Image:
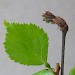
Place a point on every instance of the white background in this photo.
(31, 11)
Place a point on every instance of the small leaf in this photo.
(72, 71)
(45, 72)
(26, 43)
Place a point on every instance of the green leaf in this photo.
(45, 72)
(72, 71)
(26, 43)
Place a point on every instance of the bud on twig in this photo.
(49, 17)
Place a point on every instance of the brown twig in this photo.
(49, 17)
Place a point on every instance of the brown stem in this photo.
(63, 52)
